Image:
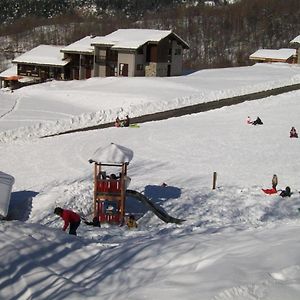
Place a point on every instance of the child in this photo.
(131, 223)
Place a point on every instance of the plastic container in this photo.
(6, 183)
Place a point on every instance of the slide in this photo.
(158, 211)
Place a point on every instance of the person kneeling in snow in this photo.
(286, 192)
(70, 218)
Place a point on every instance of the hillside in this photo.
(236, 242)
(219, 36)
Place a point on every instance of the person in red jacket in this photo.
(70, 218)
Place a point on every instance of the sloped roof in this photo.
(12, 71)
(113, 153)
(296, 40)
(80, 46)
(276, 54)
(134, 38)
(43, 55)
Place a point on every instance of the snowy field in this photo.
(237, 243)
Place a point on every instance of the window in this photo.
(123, 69)
(177, 51)
(140, 67)
(140, 50)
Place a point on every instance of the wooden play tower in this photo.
(110, 182)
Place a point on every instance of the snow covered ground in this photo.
(236, 242)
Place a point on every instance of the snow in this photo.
(113, 153)
(43, 55)
(81, 46)
(283, 54)
(296, 39)
(236, 242)
(133, 38)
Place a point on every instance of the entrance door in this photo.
(169, 70)
(123, 69)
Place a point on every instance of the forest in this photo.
(222, 35)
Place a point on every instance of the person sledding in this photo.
(286, 192)
(258, 121)
(273, 190)
(249, 121)
(293, 133)
(70, 218)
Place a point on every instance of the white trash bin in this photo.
(6, 183)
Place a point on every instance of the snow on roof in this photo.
(43, 55)
(113, 153)
(282, 54)
(134, 38)
(12, 71)
(81, 46)
(296, 39)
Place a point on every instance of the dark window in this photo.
(140, 67)
(140, 50)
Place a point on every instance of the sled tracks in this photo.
(193, 109)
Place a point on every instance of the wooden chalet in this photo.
(125, 52)
(272, 55)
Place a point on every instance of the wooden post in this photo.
(214, 180)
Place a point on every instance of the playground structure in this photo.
(110, 191)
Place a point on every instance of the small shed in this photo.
(6, 183)
(284, 55)
(296, 42)
(110, 190)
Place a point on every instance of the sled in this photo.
(269, 191)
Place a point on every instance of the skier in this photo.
(70, 218)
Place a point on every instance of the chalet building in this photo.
(125, 52)
(37, 65)
(296, 42)
(139, 52)
(272, 55)
(81, 57)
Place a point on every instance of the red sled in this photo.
(269, 191)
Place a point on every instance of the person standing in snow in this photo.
(127, 121)
(274, 181)
(70, 218)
